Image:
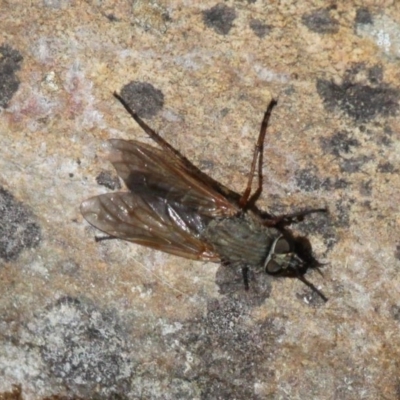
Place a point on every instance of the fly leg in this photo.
(245, 274)
(288, 219)
(246, 201)
(102, 238)
(171, 151)
(153, 134)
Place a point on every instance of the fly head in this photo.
(291, 258)
(283, 260)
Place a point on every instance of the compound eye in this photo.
(282, 246)
(273, 267)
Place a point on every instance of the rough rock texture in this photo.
(113, 320)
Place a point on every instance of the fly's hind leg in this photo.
(152, 134)
(103, 238)
(170, 150)
(245, 275)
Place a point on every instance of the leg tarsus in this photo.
(102, 238)
(245, 274)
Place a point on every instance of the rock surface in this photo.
(81, 319)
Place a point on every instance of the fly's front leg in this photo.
(246, 200)
(288, 219)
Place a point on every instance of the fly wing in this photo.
(142, 166)
(149, 220)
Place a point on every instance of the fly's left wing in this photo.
(150, 221)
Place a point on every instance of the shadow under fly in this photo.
(173, 207)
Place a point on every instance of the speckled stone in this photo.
(81, 319)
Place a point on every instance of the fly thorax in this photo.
(241, 240)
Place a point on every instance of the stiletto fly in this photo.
(173, 207)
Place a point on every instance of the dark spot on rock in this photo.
(85, 347)
(395, 311)
(340, 184)
(386, 168)
(329, 238)
(112, 18)
(320, 21)
(375, 74)
(166, 17)
(224, 112)
(387, 130)
(366, 188)
(10, 63)
(334, 184)
(383, 140)
(397, 252)
(307, 180)
(360, 102)
(71, 175)
(352, 165)
(363, 16)
(18, 228)
(367, 204)
(143, 98)
(108, 180)
(340, 142)
(220, 18)
(386, 139)
(260, 28)
(343, 209)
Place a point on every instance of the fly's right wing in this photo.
(144, 167)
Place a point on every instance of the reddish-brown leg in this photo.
(287, 219)
(257, 156)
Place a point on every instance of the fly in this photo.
(173, 207)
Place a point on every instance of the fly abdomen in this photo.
(240, 239)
